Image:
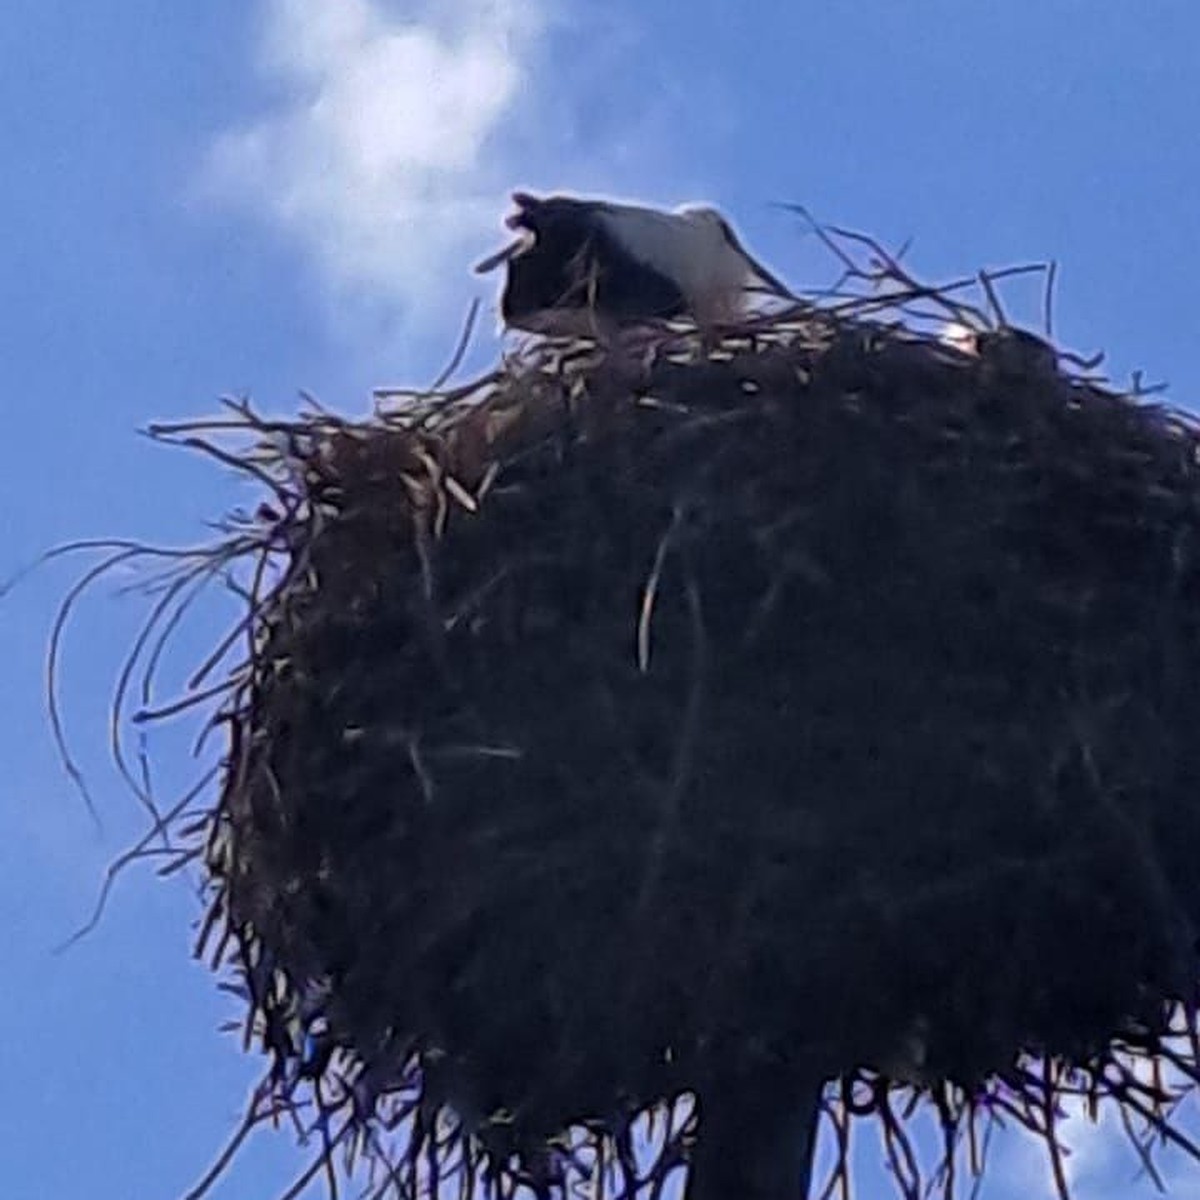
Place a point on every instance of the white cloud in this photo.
(375, 159)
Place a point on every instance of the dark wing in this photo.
(575, 262)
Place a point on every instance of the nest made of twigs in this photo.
(725, 719)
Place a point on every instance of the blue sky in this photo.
(270, 195)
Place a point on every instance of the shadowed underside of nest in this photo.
(817, 708)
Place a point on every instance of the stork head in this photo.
(523, 224)
(525, 205)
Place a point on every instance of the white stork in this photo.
(587, 266)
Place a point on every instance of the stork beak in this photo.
(514, 249)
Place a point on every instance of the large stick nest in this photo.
(820, 705)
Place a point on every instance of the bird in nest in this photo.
(589, 267)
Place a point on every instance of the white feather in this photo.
(695, 248)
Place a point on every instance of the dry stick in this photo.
(851, 267)
(86, 546)
(977, 1170)
(56, 634)
(685, 749)
(140, 849)
(264, 553)
(627, 1163)
(186, 858)
(899, 1150)
(1181, 1064)
(650, 592)
(234, 709)
(1161, 1125)
(1027, 1119)
(245, 409)
(321, 411)
(142, 788)
(886, 267)
(1129, 1087)
(951, 1123)
(972, 1138)
(216, 912)
(1154, 1090)
(902, 301)
(168, 432)
(460, 348)
(1157, 1078)
(839, 1173)
(249, 1121)
(326, 1144)
(199, 577)
(430, 1147)
(1049, 1112)
(315, 1168)
(1048, 298)
(238, 463)
(441, 410)
(985, 282)
(1142, 1149)
(1190, 1014)
(211, 663)
(236, 679)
